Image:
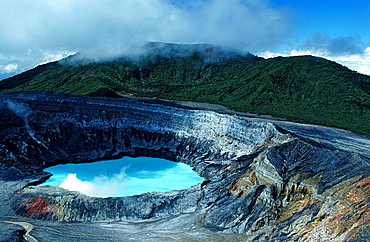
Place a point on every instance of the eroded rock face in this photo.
(264, 181)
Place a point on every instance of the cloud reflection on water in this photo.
(135, 176)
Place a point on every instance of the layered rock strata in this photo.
(264, 181)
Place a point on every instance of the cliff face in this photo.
(264, 180)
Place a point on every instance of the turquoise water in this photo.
(123, 177)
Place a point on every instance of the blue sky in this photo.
(335, 17)
(39, 31)
(334, 29)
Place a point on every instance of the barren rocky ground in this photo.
(265, 179)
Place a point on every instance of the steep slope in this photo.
(306, 89)
(264, 181)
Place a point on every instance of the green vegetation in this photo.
(305, 89)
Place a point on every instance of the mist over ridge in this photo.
(211, 53)
(302, 88)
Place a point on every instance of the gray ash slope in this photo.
(265, 181)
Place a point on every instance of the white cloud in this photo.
(356, 62)
(54, 55)
(100, 186)
(10, 68)
(349, 51)
(334, 46)
(19, 62)
(180, 176)
(72, 183)
(359, 63)
(117, 26)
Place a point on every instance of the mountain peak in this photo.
(305, 88)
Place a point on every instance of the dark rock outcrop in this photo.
(11, 232)
(265, 181)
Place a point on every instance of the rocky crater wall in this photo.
(262, 181)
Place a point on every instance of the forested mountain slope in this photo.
(305, 88)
